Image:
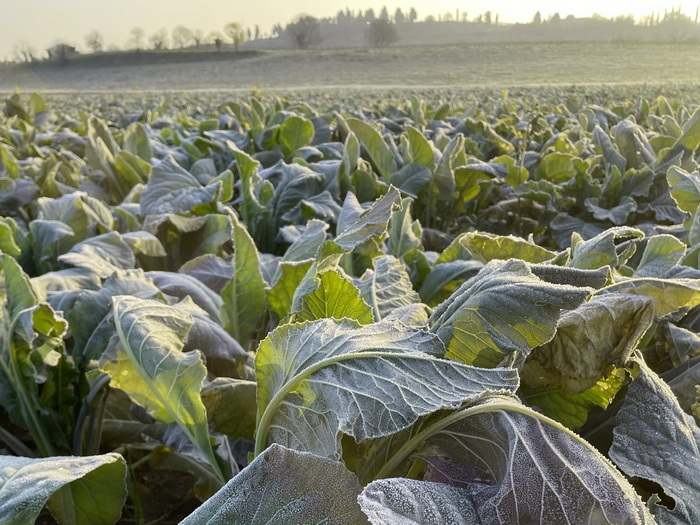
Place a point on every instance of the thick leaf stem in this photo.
(265, 421)
(102, 381)
(411, 445)
(27, 401)
(207, 451)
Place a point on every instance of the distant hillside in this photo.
(352, 35)
(460, 65)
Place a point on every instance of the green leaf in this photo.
(669, 295)
(9, 233)
(411, 179)
(101, 148)
(280, 296)
(467, 186)
(517, 173)
(685, 188)
(130, 172)
(502, 312)
(632, 142)
(444, 179)
(306, 245)
(244, 297)
(691, 133)
(230, 405)
(610, 154)
(486, 247)
(414, 315)
(85, 215)
(294, 133)
(50, 239)
(656, 440)
(557, 168)
(378, 151)
(590, 340)
(445, 278)
(146, 361)
(404, 234)
(8, 162)
(386, 287)
(297, 184)
(412, 502)
(684, 380)
(136, 141)
(319, 378)
(684, 343)
(661, 253)
(102, 254)
(144, 243)
(348, 165)
(284, 486)
(172, 189)
(373, 223)
(70, 279)
(17, 293)
(209, 269)
(71, 485)
(618, 215)
(186, 288)
(573, 276)
(334, 298)
(600, 251)
(422, 151)
(560, 478)
(185, 238)
(572, 410)
(87, 318)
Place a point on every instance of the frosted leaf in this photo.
(401, 501)
(283, 486)
(656, 440)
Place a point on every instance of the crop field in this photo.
(472, 65)
(407, 306)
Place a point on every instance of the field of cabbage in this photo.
(428, 307)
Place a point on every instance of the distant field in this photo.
(462, 65)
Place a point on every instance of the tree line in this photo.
(379, 30)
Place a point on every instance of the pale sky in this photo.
(41, 23)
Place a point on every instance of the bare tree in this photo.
(94, 41)
(23, 52)
(235, 32)
(136, 38)
(182, 37)
(197, 37)
(381, 33)
(305, 32)
(159, 39)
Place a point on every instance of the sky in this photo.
(42, 23)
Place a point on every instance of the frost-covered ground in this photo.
(467, 65)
